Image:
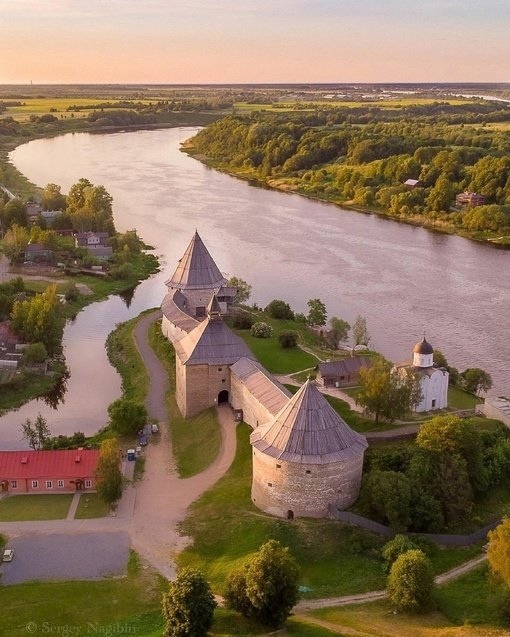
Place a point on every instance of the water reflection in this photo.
(55, 396)
(127, 296)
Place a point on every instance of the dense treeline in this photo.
(367, 165)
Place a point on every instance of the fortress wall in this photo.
(289, 487)
(254, 412)
(171, 331)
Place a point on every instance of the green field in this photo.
(35, 507)
(397, 102)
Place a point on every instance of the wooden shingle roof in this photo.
(309, 431)
(261, 384)
(211, 343)
(196, 269)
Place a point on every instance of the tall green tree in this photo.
(188, 607)
(317, 313)
(15, 242)
(476, 380)
(40, 319)
(127, 416)
(243, 289)
(339, 330)
(498, 552)
(52, 198)
(266, 587)
(109, 481)
(387, 393)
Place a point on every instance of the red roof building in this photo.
(59, 471)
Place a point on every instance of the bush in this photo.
(394, 548)
(188, 607)
(279, 310)
(288, 339)
(242, 320)
(411, 582)
(261, 330)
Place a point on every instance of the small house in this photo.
(33, 209)
(343, 372)
(469, 199)
(91, 239)
(56, 471)
(38, 253)
(412, 183)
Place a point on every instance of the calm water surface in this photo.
(405, 280)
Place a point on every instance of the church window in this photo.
(433, 403)
(220, 369)
(269, 484)
(278, 466)
(308, 471)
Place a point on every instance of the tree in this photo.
(266, 587)
(35, 353)
(317, 313)
(394, 548)
(15, 242)
(498, 552)
(411, 582)
(360, 334)
(243, 289)
(388, 393)
(52, 198)
(40, 319)
(476, 380)
(339, 329)
(37, 433)
(188, 607)
(389, 494)
(279, 310)
(109, 482)
(127, 416)
(288, 339)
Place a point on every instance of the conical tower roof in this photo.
(196, 269)
(211, 343)
(309, 431)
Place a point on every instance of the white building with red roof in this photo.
(56, 471)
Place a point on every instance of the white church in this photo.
(433, 379)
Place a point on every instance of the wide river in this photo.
(406, 281)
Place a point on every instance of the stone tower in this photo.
(306, 459)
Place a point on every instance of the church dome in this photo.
(423, 347)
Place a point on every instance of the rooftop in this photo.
(197, 269)
(61, 463)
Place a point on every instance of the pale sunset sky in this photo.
(254, 41)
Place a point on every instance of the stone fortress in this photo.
(306, 459)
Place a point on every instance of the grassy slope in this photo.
(195, 441)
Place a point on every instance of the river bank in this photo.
(250, 176)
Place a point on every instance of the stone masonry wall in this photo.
(198, 386)
(254, 412)
(307, 490)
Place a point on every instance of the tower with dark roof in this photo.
(306, 459)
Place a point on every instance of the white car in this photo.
(7, 555)
(154, 428)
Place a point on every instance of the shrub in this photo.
(394, 548)
(279, 310)
(261, 330)
(242, 320)
(288, 339)
(411, 582)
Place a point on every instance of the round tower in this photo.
(423, 354)
(306, 459)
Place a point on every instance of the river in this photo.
(405, 280)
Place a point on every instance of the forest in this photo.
(363, 156)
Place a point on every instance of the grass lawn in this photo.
(459, 399)
(276, 359)
(35, 507)
(91, 506)
(125, 357)
(87, 607)
(378, 618)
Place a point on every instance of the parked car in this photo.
(143, 440)
(154, 428)
(131, 454)
(7, 555)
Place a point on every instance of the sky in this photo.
(253, 41)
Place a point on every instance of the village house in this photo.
(38, 253)
(469, 199)
(58, 471)
(96, 244)
(342, 373)
(412, 183)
